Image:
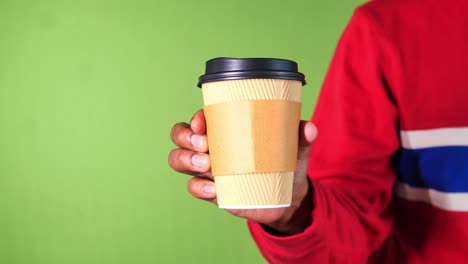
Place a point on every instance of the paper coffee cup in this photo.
(252, 109)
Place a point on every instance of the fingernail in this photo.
(197, 140)
(199, 161)
(209, 189)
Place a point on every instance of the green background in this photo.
(88, 93)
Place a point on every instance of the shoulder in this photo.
(392, 15)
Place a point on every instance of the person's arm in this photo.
(350, 167)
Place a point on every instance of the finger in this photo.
(307, 134)
(183, 136)
(187, 161)
(202, 189)
(198, 123)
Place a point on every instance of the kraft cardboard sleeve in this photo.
(253, 136)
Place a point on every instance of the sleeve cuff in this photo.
(305, 243)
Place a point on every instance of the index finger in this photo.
(198, 123)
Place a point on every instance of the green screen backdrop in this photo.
(88, 93)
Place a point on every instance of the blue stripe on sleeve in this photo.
(441, 168)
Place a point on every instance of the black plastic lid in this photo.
(222, 69)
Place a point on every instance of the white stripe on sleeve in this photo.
(443, 200)
(440, 137)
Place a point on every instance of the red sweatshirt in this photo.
(389, 168)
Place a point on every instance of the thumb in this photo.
(307, 134)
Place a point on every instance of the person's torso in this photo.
(428, 80)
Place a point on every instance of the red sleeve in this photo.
(350, 167)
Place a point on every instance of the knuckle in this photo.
(182, 137)
(192, 187)
(176, 132)
(171, 135)
(175, 159)
(171, 157)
